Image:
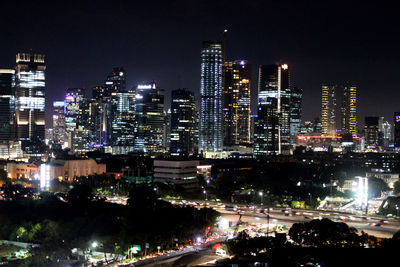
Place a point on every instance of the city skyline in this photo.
(318, 49)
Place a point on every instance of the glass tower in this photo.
(115, 82)
(272, 129)
(296, 97)
(59, 127)
(7, 105)
(236, 102)
(210, 132)
(149, 119)
(30, 101)
(122, 125)
(182, 122)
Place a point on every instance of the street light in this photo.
(94, 244)
(261, 195)
(205, 193)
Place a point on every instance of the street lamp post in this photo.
(261, 195)
(205, 193)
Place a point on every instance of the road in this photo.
(379, 227)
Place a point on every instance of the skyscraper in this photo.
(60, 136)
(296, 97)
(236, 103)
(182, 122)
(122, 125)
(30, 101)
(76, 118)
(396, 138)
(371, 129)
(7, 106)
(328, 110)
(210, 132)
(149, 119)
(272, 130)
(116, 81)
(349, 110)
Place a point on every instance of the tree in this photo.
(80, 193)
(396, 189)
(376, 187)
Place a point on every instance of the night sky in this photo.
(161, 41)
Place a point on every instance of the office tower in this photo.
(7, 106)
(182, 122)
(60, 136)
(236, 103)
(272, 130)
(296, 97)
(122, 124)
(349, 110)
(76, 118)
(99, 92)
(396, 137)
(30, 101)
(371, 130)
(210, 131)
(149, 119)
(167, 130)
(115, 82)
(328, 110)
(386, 130)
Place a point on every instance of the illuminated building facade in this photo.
(122, 124)
(182, 122)
(115, 82)
(328, 110)
(386, 129)
(149, 119)
(349, 110)
(30, 86)
(60, 136)
(371, 132)
(272, 129)
(210, 130)
(7, 105)
(236, 103)
(296, 97)
(396, 137)
(76, 118)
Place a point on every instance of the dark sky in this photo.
(161, 40)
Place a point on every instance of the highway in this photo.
(377, 226)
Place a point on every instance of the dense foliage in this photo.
(59, 226)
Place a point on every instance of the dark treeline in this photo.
(58, 226)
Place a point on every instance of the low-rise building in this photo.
(182, 173)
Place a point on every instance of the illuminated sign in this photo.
(397, 118)
(58, 103)
(139, 96)
(147, 86)
(284, 66)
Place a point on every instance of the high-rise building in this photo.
(386, 132)
(371, 130)
(60, 136)
(396, 137)
(328, 110)
(272, 130)
(349, 110)
(100, 92)
(296, 97)
(7, 105)
(77, 118)
(182, 122)
(149, 119)
(122, 125)
(115, 82)
(236, 103)
(30, 101)
(210, 131)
